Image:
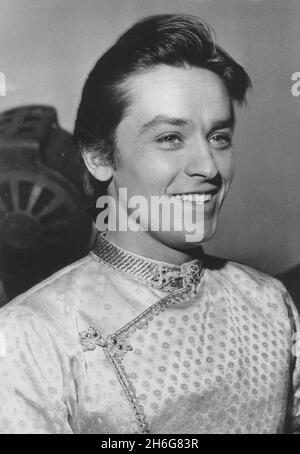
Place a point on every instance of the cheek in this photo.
(153, 170)
(144, 176)
(225, 162)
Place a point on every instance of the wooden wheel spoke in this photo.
(34, 195)
(49, 208)
(14, 194)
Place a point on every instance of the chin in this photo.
(210, 230)
(178, 240)
(185, 240)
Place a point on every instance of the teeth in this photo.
(196, 198)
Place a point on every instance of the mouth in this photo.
(197, 198)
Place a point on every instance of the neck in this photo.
(146, 245)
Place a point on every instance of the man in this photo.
(147, 334)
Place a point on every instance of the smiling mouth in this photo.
(199, 199)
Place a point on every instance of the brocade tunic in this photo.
(117, 344)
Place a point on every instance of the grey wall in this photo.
(48, 46)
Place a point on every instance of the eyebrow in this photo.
(223, 124)
(164, 119)
(161, 119)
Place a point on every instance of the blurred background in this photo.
(47, 47)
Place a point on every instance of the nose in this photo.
(200, 160)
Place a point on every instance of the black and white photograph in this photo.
(149, 219)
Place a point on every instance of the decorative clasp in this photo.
(91, 338)
(117, 346)
(192, 277)
(189, 275)
(165, 276)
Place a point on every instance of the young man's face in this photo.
(175, 139)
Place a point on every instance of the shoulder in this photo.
(257, 288)
(53, 302)
(240, 273)
(39, 328)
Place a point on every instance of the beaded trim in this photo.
(130, 391)
(160, 275)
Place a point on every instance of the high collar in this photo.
(156, 274)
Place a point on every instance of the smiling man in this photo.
(175, 141)
(148, 334)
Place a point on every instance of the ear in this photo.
(94, 162)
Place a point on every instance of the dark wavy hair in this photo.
(170, 39)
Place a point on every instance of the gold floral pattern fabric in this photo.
(91, 350)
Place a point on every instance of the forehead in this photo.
(188, 92)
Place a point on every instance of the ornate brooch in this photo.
(168, 278)
(192, 277)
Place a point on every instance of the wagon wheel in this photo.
(42, 225)
(33, 210)
(43, 220)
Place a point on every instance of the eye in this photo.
(221, 141)
(170, 141)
